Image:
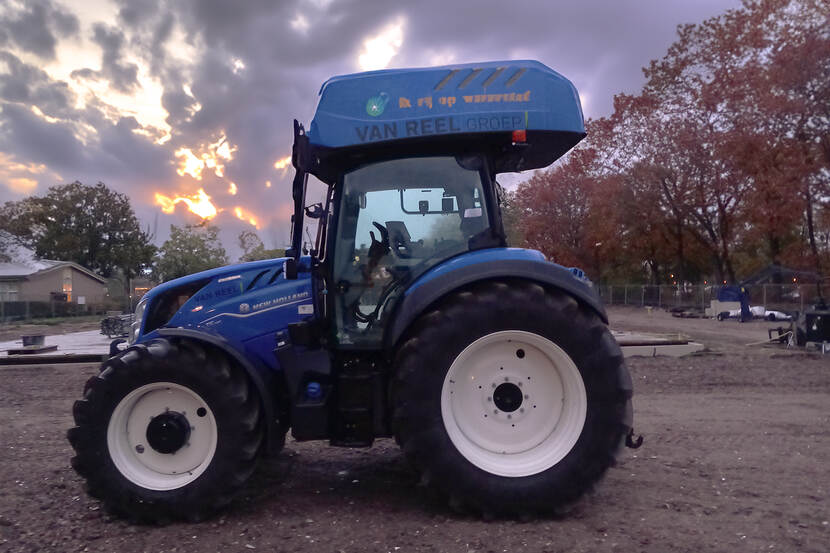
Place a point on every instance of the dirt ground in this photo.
(13, 331)
(735, 458)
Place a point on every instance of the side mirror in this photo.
(289, 268)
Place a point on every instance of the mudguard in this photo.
(486, 265)
(262, 379)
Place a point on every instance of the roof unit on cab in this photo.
(523, 107)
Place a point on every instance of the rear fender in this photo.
(263, 380)
(444, 279)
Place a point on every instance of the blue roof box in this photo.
(455, 106)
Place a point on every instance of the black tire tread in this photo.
(233, 401)
(417, 423)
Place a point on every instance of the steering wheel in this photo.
(378, 248)
(384, 234)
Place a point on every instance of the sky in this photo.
(181, 103)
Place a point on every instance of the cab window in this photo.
(397, 219)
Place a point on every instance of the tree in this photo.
(254, 250)
(571, 215)
(90, 225)
(5, 246)
(190, 249)
(510, 217)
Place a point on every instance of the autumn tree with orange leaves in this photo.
(720, 166)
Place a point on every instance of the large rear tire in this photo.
(167, 430)
(511, 400)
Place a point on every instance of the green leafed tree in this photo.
(254, 250)
(93, 226)
(190, 249)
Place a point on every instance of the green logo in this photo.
(376, 104)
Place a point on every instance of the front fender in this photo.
(486, 265)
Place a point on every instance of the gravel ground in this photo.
(735, 459)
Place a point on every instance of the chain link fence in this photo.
(774, 297)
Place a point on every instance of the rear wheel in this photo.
(511, 399)
(167, 430)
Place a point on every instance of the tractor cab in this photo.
(410, 157)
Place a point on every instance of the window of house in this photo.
(67, 283)
(9, 291)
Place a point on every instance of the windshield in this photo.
(397, 219)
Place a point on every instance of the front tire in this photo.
(167, 430)
(511, 399)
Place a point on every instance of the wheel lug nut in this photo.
(139, 448)
(527, 396)
(489, 399)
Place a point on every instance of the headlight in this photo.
(135, 327)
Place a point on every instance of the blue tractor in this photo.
(409, 317)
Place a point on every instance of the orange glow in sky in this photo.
(211, 156)
(282, 163)
(246, 216)
(198, 203)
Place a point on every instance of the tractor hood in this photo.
(241, 271)
(472, 106)
(188, 300)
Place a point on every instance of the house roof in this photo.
(15, 271)
(23, 263)
(18, 269)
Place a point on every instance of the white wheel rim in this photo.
(137, 460)
(494, 434)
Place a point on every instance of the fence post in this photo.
(625, 294)
(764, 286)
(642, 296)
(610, 294)
(28, 312)
(659, 296)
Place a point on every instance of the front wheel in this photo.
(167, 430)
(511, 399)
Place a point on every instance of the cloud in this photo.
(24, 83)
(171, 77)
(122, 76)
(32, 26)
(380, 49)
(23, 178)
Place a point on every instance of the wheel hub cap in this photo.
(507, 397)
(162, 436)
(168, 432)
(513, 403)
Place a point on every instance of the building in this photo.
(47, 280)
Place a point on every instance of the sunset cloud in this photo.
(173, 97)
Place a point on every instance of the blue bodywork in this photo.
(240, 311)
